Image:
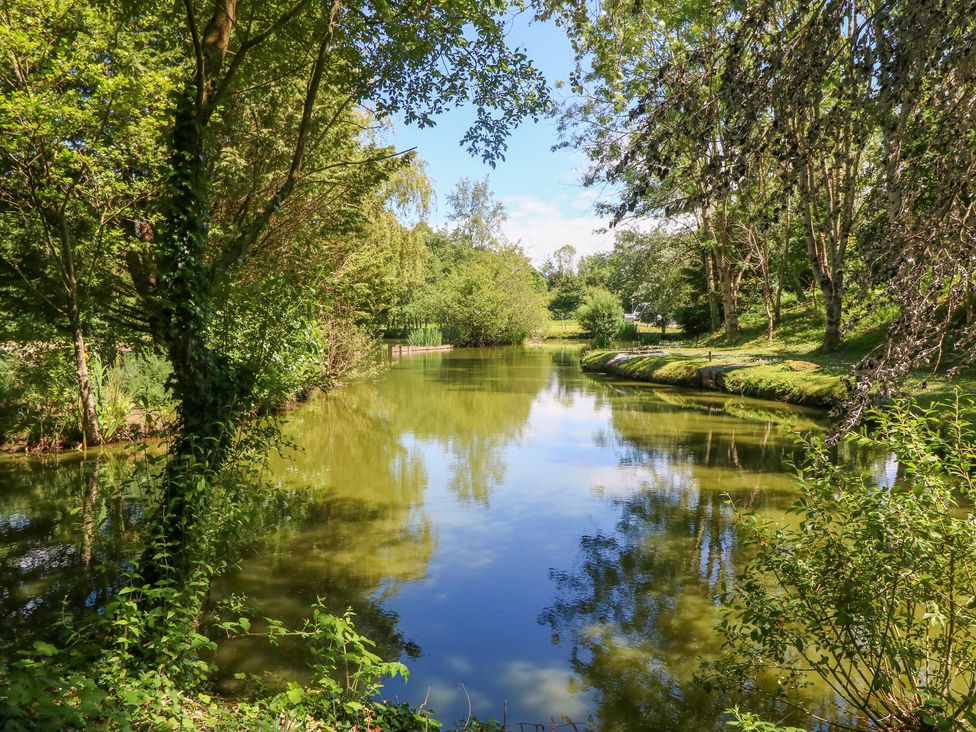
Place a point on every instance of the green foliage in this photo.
(476, 216)
(39, 402)
(748, 722)
(568, 295)
(491, 298)
(871, 588)
(767, 381)
(112, 400)
(39, 398)
(648, 272)
(628, 332)
(68, 688)
(602, 317)
(429, 335)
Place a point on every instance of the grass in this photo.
(569, 328)
(429, 335)
(776, 381)
(790, 368)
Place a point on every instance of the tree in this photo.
(649, 273)
(596, 269)
(84, 105)
(412, 57)
(800, 80)
(560, 265)
(654, 124)
(491, 298)
(476, 215)
(567, 296)
(923, 106)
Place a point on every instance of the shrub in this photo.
(39, 393)
(601, 316)
(872, 587)
(748, 722)
(649, 339)
(628, 332)
(694, 319)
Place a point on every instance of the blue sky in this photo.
(541, 190)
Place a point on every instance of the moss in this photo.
(776, 381)
(781, 383)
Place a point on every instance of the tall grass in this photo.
(429, 335)
(39, 395)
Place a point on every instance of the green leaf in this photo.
(45, 649)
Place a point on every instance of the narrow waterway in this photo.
(531, 541)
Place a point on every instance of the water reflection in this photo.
(472, 404)
(638, 606)
(67, 526)
(551, 540)
(362, 460)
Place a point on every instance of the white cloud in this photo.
(545, 691)
(542, 225)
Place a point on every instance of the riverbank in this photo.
(400, 350)
(791, 381)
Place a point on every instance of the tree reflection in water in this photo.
(639, 607)
(68, 525)
(363, 531)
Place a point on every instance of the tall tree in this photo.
(870, 106)
(924, 105)
(653, 122)
(411, 57)
(83, 106)
(800, 81)
(476, 215)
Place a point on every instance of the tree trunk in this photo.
(205, 382)
(778, 304)
(89, 413)
(833, 302)
(768, 305)
(714, 314)
(729, 305)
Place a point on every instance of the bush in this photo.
(490, 299)
(429, 335)
(872, 586)
(628, 332)
(748, 722)
(601, 316)
(649, 339)
(39, 396)
(694, 319)
(144, 376)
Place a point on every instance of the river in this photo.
(533, 542)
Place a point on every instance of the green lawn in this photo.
(569, 328)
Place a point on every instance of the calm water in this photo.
(530, 540)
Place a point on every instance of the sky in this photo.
(541, 190)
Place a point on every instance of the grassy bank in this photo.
(790, 368)
(793, 382)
